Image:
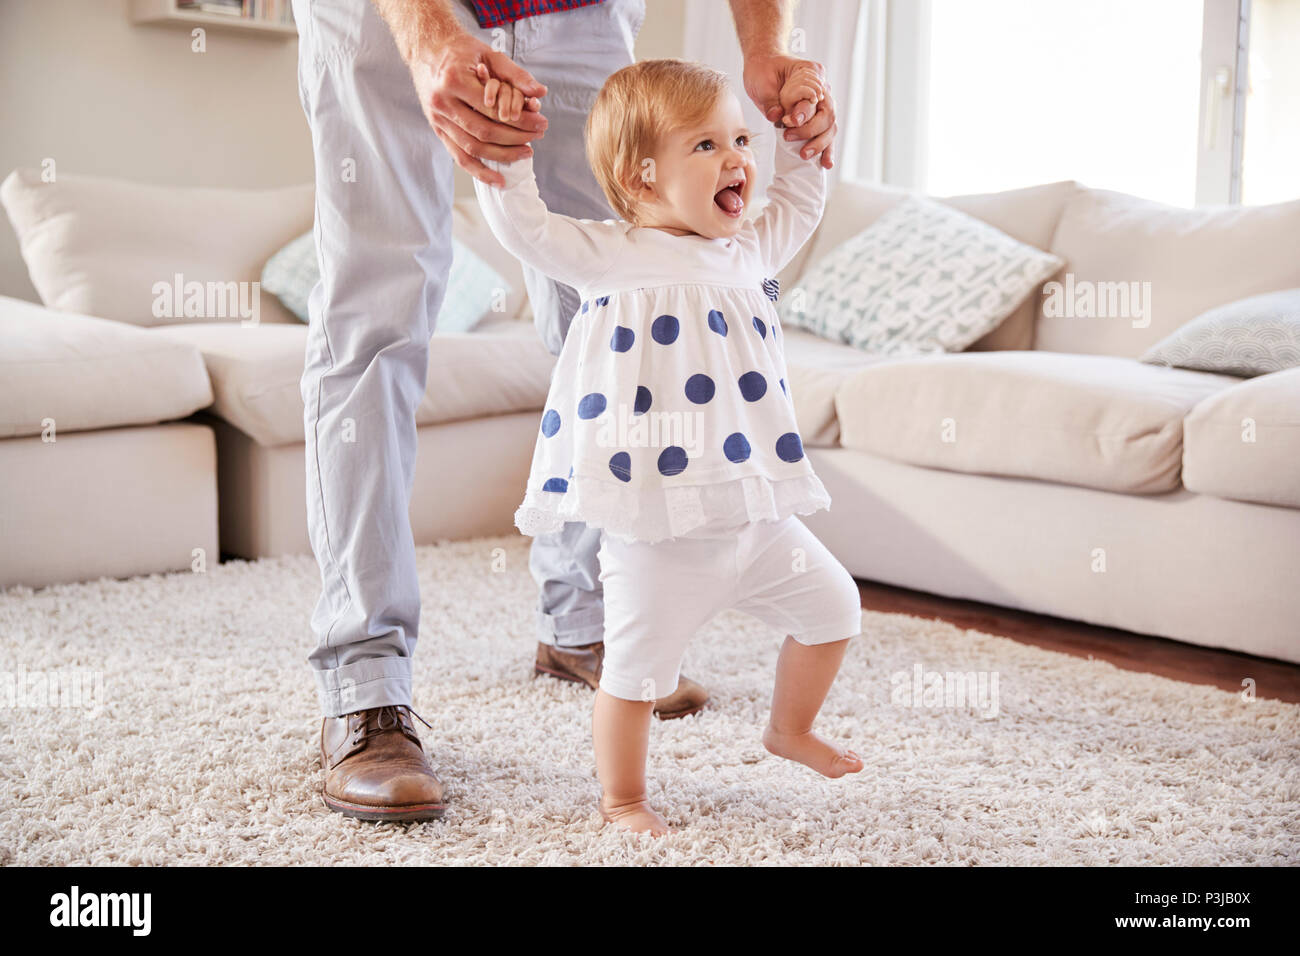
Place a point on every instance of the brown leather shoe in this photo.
(583, 665)
(376, 768)
(579, 664)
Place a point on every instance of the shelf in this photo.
(166, 13)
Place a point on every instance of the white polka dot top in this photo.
(669, 409)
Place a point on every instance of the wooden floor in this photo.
(1277, 680)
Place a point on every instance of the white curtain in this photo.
(846, 37)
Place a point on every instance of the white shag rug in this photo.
(203, 749)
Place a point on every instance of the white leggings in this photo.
(658, 595)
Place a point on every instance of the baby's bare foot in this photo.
(639, 817)
(812, 751)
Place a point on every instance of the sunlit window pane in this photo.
(1270, 164)
(1034, 91)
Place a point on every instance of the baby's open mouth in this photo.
(730, 201)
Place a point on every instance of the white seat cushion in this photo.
(85, 373)
(501, 367)
(1244, 442)
(1100, 422)
(816, 367)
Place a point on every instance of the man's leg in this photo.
(383, 239)
(573, 52)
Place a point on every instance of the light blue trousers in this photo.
(383, 237)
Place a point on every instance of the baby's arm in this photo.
(796, 196)
(577, 252)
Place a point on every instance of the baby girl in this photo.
(669, 423)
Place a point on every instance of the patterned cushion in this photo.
(290, 274)
(1248, 337)
(922, 279)
(471, 287)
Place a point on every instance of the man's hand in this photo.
(784, 89)
(455, 102)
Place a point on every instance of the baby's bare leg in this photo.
(804, 673)
(621, 732)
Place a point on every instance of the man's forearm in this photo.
(762, 26)
(418, 25)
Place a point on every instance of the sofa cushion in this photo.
(471, 229)
(1029, 215)
(815, 367)
(923, 278)
(1188, 260)
(114, 249)
(1244, 442)
(1251, 336)
(502, 367)
(473, 286)
(291, 273)
(1096, 421)
(86, 373)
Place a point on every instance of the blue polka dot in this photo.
(642, 403)
(570, 472)
(664, 329)
(717, 323)
(622, 338)
(783, 386)
(603, 300)
(700, 388)
(550, 423)
(591, 405)
(736, 447)
(762, 329)
(621, 465)
(672, 460)
(584, 307)
(558, 485)
(789, 447)
(753, 386)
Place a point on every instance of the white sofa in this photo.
(1083, 483)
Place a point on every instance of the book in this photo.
(234, 9)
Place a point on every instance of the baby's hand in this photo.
(507, 100)
(809, 88)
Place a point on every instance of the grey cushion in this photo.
(923, 278)
(1252, 336)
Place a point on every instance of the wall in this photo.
(82, 84)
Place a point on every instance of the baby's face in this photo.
(693, 168)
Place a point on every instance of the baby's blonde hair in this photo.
(636, 109)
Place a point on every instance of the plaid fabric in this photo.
(493, 13)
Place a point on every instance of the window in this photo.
(1033, 91)
(1271, 141)
(1180, 101)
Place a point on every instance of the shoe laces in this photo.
(381, 720)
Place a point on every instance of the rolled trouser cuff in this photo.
(573, 629)
(375, 682)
